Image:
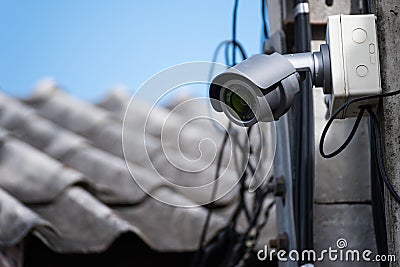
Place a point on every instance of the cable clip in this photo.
(301, 8)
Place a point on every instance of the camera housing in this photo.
(253, 91)
(263, 87)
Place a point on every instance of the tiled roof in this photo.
(63, 177)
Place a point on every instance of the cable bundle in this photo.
(236, 248)
(378, 171)
(375, 129)
(232, 247)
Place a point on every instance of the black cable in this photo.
(237, 250)
(343, 108)
(242, 206)
(212, 199)
(237, 247)
(235, 241)
(198, 257)
(349, 138)
(377, 187)
(264, 20)
(240, 249)
(376, 130)
(378, 177)
(366, 7)
(235, 8)
(379, 156)
(257, 233)
(227, 43)
(377, 199)
(378, 171)
(217, 49)
(236, 44)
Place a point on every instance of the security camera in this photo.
(262, 87)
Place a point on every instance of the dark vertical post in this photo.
(303, 132)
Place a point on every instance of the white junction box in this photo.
(354, 58)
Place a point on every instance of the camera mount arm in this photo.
(317, 64)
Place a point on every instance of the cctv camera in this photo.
(262, 87)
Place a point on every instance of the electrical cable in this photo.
(212, 199)
(237, 249)
(336, 113)
(235, 9)
(377, 187)
(233, 239)
(233, 252)
(378, 171)
(366, 5)
(348, 139)
(242, 250)
(379, 156)
(242, 206)
(264, 11)
(235, 45)
(256, 235)
(376, 131)
(377, 199)
(219, 47)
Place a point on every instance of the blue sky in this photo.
(88, 46)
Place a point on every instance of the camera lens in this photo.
(240, 103)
